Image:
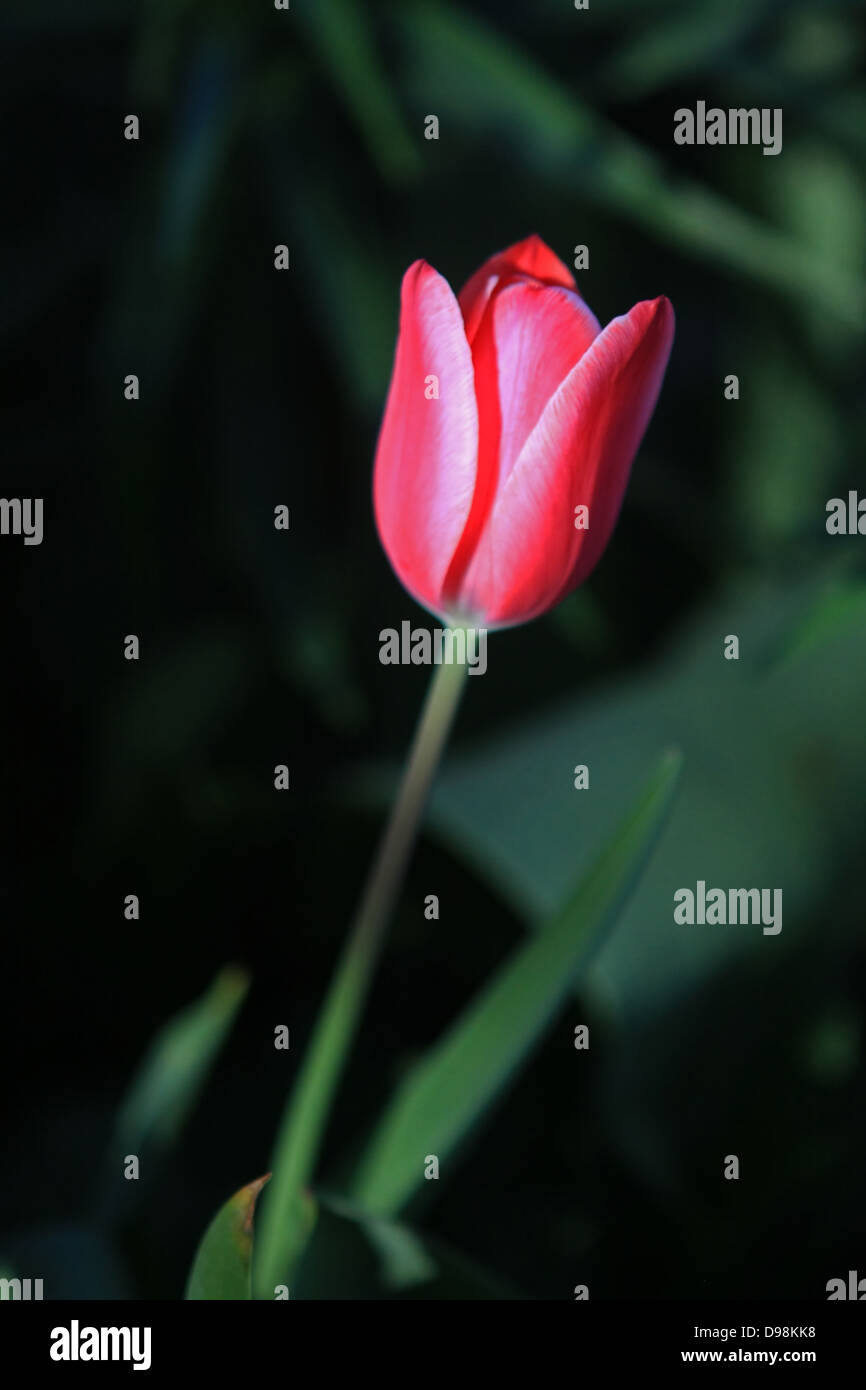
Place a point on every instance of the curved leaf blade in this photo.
(168, 1083)
(444, 1095)
(176, 1065)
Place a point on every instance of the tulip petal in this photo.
(528, 342)
(529, 554)
(538, 335)
(531, 258)
(424, 478)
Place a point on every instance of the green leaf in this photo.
(174, 1069)
(442, 1097)
(222, 1267)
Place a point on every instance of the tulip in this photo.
(510, 411)
(509, 432)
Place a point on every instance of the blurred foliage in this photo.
(305, 127)
(172, 1073)
(795, 727)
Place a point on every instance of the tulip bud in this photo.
(536, 418)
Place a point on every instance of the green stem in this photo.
(285, 1217)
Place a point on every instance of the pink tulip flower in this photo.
(509, 432)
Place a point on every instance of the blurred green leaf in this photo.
(837, 611)
(781, 461)
(353, 1255)
(835, 112)
(444, 1095)
(175, 1067)
(763, 747)
(340, 33)
(172, 254)
(162, 34)
(346, 274)
(204, 127)
(678, 46)
(820, 42)
(486, 85)
(222, 1268)
(405, 1261)
(832, 1048)
(818, 194)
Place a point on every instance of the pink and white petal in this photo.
(531, 257)
(424, 476)
(529, 554)
(539, 334)
(529, 340)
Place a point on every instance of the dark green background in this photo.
(259, 388)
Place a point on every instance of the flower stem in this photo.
(285, 1217)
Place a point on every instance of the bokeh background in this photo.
(257, 647)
